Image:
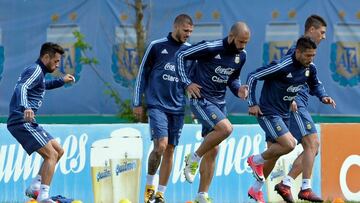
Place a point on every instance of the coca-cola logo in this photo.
(170, 67)
(294, 89)
(224, 71)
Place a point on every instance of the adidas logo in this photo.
(217, 56)
(289, 75)
(164, 51)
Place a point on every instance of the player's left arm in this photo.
(317, 88)
(56, 83)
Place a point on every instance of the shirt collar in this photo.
(295, 61)
(42, 65)
(230, 47)
(171, 39)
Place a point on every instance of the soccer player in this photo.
(283, 79)
(315, 28)
(218, 65)
(165, 101)
(26, 100)
(303, 128)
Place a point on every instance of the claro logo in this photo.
(349, 161)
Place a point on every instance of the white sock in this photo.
(161, 188)
(44, 192)
(195, 158)
(203, 194)
(306, 184)
(257, 186)
(287, 180)
(36, 182)
(258, 159)
(150, 179)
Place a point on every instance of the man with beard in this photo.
(26, 100)
(218, 65)
(165, 101)
(283, 79)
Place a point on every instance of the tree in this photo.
(124, 105)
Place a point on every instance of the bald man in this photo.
(218, 66)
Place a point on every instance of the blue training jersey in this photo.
(283, 79)
(29, 91)
(302, 98)
(218, 65)
(158, 79)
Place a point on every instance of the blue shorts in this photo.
(301, 124)
(163, 124)
(274, 126)
(207, 113)
(31, 136)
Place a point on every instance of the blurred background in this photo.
(118, 31)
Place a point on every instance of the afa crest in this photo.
(278, 128)
(237, 59)
(125, 64)
(345, 53)
(125, 59)
(70, 62)
(278, 39)
(308, 126)
(344, 63)
(275, 50)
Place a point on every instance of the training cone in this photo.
(32, 201)
(338, 200)
(124, 201)
(76, 201)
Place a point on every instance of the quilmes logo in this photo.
(104, 173)
(16, 165)
(125, 59)
(1, 55)
(70, 62)
(127, 165)
(278, 39)
(345, 54)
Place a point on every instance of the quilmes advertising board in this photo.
(114, 156)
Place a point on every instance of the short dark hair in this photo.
(304, 43)
(314, 21)
(183, 18)
(51, 49)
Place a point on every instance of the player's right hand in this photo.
(293, 106)
(255, 111)
(68, 78)
(29, 115)
(193, 90)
